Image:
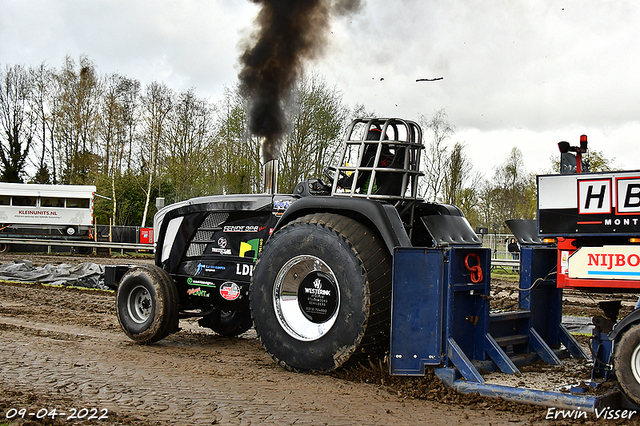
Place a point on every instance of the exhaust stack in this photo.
(270, 177)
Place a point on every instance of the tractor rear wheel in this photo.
(320, 293)
(626, 359)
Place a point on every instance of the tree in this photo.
(458, 170)
(460, 186)
(157, 102)
(435, 157)
(318, 117)
(189, 145)
(17, 119)
(129, 97)
(115, 128)
(236, 166)
(42, 78)
(76, 108)
(129, 187)
(509, 194)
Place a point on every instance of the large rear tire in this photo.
(147, 304)
(626, 360)
(320, 294)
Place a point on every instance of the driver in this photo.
(368, 157)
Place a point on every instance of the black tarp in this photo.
(89, 275)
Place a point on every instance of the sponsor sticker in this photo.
(594, 196)
(192, 281)
(198, 292)
(209, 268)
(229, 291)
(222, 247)
(221, 251)
(318, 297)
(244, 269)
(281, 205)
(254, 246)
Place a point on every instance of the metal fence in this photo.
(500, 256)
(122, 238)
(498, 244)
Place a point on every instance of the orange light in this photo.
(634, 240)
(549, 240)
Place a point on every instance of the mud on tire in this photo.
(626, 359)
(146, 304)
(320, 293)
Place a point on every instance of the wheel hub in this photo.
(306, 297)
(139, 304)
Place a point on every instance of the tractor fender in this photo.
(380, 218)
(628, 321)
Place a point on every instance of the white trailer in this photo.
(65, 210)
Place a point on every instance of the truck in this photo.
(353, 267)
(594, 221)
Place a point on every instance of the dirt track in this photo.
(62, 348)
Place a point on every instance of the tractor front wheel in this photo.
(147, 304)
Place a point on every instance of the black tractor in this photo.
(311, 271)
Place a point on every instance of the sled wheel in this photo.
(320, 294)
(147, 304)
(626, 359)
(228, 322)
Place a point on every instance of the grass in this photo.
(505, 275)
(132, 254)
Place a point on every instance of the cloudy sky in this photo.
(515, 73)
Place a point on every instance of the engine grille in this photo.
(204, 234)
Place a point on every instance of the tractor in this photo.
(311, 270)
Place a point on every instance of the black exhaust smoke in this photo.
(289, 31)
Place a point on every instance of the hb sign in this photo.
(583, 204)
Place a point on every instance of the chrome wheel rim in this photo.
(306, 298)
